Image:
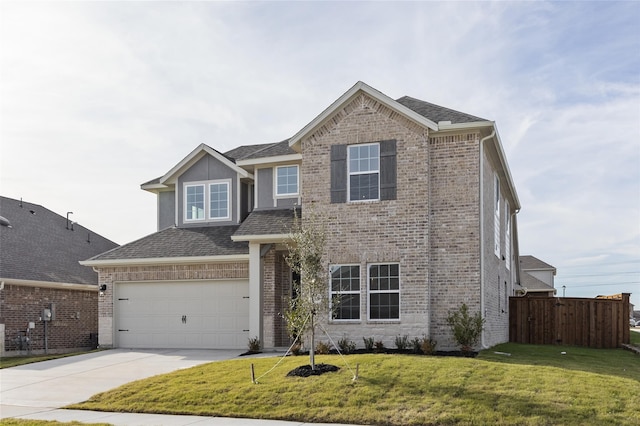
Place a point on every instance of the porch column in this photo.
(255, 292)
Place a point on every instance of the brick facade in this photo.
(111, 275)
(74, 327)
(276, 282)
(432, 228)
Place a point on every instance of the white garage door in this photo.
(186, 315)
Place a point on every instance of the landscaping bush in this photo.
(368, 343)
(254, 344)
(322, 348)
(466, 328)
(402, 342)
(346, 346)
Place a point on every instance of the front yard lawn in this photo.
(535, 385)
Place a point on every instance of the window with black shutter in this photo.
(363, 172)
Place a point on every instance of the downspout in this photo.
(482, 303)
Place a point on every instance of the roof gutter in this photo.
(165, 260)
(48, 284)
(480, 188)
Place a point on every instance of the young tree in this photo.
(306, 252)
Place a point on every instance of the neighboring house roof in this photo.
(534, 285)
(267, 223)
(171, 243)
(437, 113)
(37, 246)
(532, 263)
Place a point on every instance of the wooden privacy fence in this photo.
(595, 323)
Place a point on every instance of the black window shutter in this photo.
(338, 173)
(388, 170)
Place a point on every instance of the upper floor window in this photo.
(207, 201)
(219, 200)
(496, 215)
(364, 172)
(507, 236)
(194, 202)
(286, 180)
(384, 292)
(345, 292)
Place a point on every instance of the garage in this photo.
(186, 314)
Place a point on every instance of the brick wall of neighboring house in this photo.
(74, 327)
(395, 231)
(110, 275)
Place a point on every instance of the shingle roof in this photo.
(180, 242)
(38, 246)
(437, 113)
(528, 263)
(533, 284)
(260, 151)
(267, 222)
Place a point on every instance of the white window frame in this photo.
(207, 201)
(275, 181)
(204, 201)
(370, 292)
(227, 183)
(333, 293)
(496, 214)
(368, 172)
(507, 236)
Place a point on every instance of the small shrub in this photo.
(428, 346)
(466, 328)
(322, 348)
(379, 346)
(402, 342)
(368, 343)
(254, 344)
(346, 346)
(296, 349)
(416, 344)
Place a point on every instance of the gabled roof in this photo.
(437, 113)
(266, 224)
(172, 243)
(188, 161)
(38, 246)
(351, 94)
(532, 263)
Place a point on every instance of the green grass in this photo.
(15, 361)
(635, 338)
(535, 385)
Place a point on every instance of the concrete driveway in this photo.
(64, 381)
(37, 391)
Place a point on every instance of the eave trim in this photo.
(166, 260)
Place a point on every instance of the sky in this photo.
(99, 97)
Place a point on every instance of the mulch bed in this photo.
(306, 371)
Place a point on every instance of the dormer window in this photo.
(286, 181)
(207, 201)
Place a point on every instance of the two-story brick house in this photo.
(419, 207)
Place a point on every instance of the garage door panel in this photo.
(207, 314)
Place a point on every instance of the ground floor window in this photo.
(384, 291)
(345, 292)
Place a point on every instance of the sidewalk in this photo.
(135, 419)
